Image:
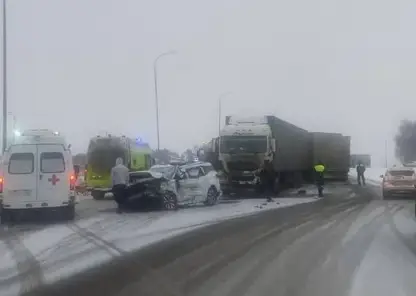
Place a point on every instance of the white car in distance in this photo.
(192, 183)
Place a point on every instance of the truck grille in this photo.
(242, 166)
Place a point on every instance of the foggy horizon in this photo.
(86, 67)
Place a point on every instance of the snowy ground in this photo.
(35, 257)
(372, 175)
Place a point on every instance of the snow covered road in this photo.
(345, 245)
(34, 255)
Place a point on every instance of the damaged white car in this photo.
(170, 186)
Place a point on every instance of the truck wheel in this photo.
(276, 185)
(97, 195)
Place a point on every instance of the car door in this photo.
(53, 181)
(192, 184)
(20, 178)
(203, 184)
(210, 178)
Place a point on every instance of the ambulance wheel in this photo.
(169, 201)
(98, 195)
(70, 213)
(5, 216)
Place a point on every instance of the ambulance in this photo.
(37, 174)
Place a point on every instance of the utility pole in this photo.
(14, 126)
(4, 77)
(156, 94)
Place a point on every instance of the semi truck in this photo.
(333, 150)
(264, 150)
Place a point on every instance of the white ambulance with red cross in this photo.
(38, 174)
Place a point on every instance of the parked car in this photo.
(399, 181)
(170, 186)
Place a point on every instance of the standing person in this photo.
(120, 180)
(360, 173)
(264, 183)
(319, 177)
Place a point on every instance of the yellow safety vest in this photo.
(319, 168)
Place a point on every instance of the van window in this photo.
(52, 162)
(21, 163)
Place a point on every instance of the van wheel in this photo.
(98, 195)
(5, 216)
(70, 213)
(212, 197)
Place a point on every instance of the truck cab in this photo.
(246, 145)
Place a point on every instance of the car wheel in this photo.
(97, 195)
(169, 201)
(212, 197)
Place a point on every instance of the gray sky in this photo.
(85, 66)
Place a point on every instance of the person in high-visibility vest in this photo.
(319, 177)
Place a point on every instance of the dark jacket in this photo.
(360, 169)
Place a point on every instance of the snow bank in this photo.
(372, 175)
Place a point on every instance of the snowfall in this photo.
(61, 250)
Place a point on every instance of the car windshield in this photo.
(167, 171)
(243, 144)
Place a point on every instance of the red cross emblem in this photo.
(54, 179)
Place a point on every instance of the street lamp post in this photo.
(4, 78)
(14, 125)
(156, 96)
(220, 109)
